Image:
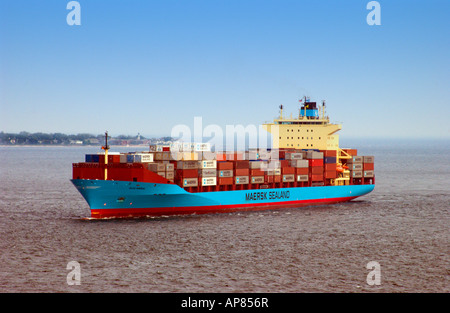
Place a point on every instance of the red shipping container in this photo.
(277, 178)
(243, 164)
(268, 179)
(114, 158)
(281, 154)
(221, 156)
(287, 170)
(242, 172)
(226, 180)
(166, 149)
(368, 166)
(330, 166)
(302, 171)
(316, 162)
(224, 165)
(316, 177)
(284, 163)
(317, 170)
(192, 173)
(352, 152)
(328, 153)
(330, 174)
(256, 172)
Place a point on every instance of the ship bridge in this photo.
(311, 129)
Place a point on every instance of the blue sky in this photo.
(145, 66)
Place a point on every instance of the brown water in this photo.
(403, 225)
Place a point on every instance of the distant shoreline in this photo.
(72, 146)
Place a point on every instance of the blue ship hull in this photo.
(108, 198)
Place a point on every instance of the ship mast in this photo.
(106, 148)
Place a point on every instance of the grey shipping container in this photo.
(299, 163)
(356, 174)
(239, 180)
(156, 167)
(355, 159)
(207, 172)
(288, 178)
(257, 179)
(314, 155)
(355, 167)
(368, 173)
(225, 173)
(187, 165)
(293, 156)
(190, 182)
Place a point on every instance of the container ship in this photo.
(304, 166)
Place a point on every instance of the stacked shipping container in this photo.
(208, 171)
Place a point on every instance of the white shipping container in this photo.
(302, 177)
(209, 181)
(252, 155)
(208, 155)
(143, 158)
(200, 147)
(176, 146)
(208, 164)
(264, 155)
(186, 147)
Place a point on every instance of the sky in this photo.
(146, 66)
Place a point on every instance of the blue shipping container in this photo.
(92, 158)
